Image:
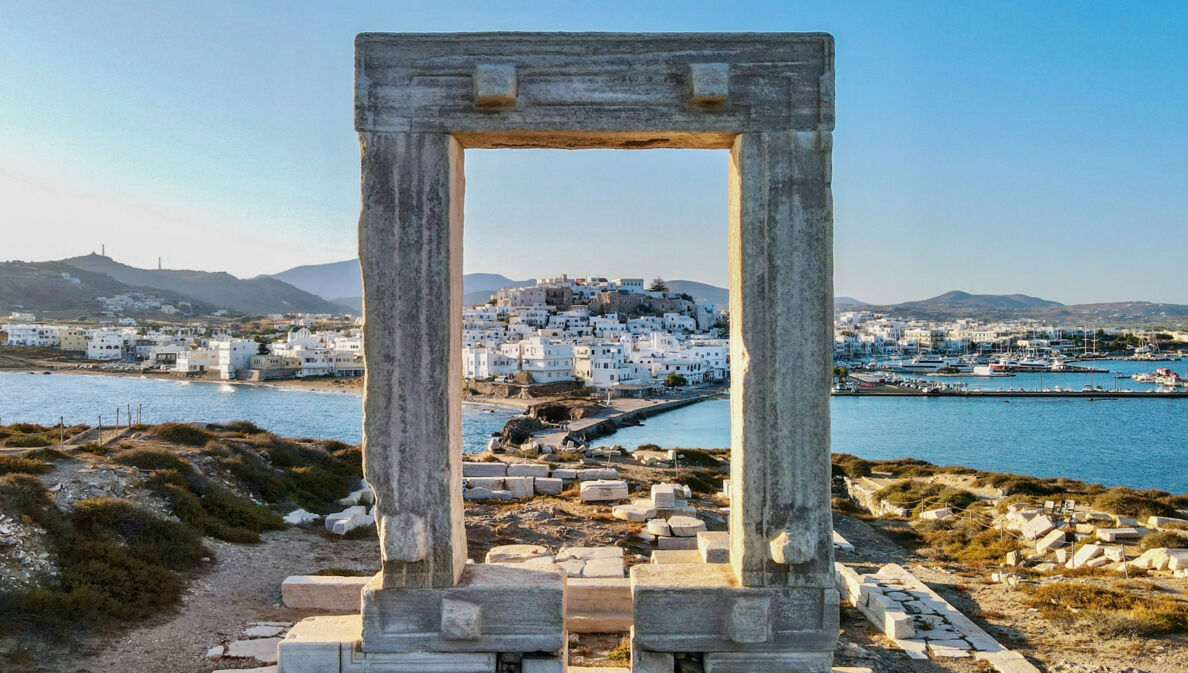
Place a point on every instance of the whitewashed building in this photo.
(106, 345)
(544, 359)
(479, 362)
(235, 355)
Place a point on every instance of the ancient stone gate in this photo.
(421, 101)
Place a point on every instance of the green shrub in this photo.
(844, 505)
(852, 466)
(182, 433)
(94, 449)
(1136, 504)
(701, 480)
(48, 455)
(965, 542)
(115, 560)
(1164, 538)
(211, 509)
(23, 441)
(344, 572)
(918, 496)
(151, 459)
(697, 458)
(22, 465)
(145, 535)
(244, 427)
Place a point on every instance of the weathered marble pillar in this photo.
(781, 342)
(410, 249)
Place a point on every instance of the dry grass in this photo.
(1110, 612)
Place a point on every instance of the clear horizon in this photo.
(1014, 148)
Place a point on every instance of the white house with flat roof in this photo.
(545, 359)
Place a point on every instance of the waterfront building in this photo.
(234, 355)
(73, 339)
(196, 360)
(482, 362)
(43, 336)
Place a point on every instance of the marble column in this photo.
(781, 343)
(410, 249)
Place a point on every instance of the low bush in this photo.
(22, 465)
(919, 496)
(48, 455)
(701, 480)
(847, 506)
(852, 466)
(344, 572)
(243, 427)
(1164, 538)
(211, 509)
(1135, 503)
(697, 458)
(1109, 612)
(182, 433)
(94, 449)
(965, 542)
(28, 441)
(150, 459)
(115, 560)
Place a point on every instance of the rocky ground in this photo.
(238, 585)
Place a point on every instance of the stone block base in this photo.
(598, 605)
(332, 644)
(492, 608)
(323, 592)
(700, 609)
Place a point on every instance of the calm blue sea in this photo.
(1139, 443)
(37, 398)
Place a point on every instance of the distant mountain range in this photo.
(336, 287)
(341, 282)
(957, 304)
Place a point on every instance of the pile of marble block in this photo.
(515, 481)
(1073, 540)
(671, 522)
(1163, 558)
(920, 621)
(359, 512)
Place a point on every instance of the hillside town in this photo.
(621, 335)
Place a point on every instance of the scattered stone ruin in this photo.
(421, 101)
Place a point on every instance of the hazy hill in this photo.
(328, 281)
(341, 282)
(847, 301)
(957, 304)
(253, 295)
(957, 300)
(702, 291)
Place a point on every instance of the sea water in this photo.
(1140, 443)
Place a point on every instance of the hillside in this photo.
(222, 290)
(41, 288)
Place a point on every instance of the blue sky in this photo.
(991, 147)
